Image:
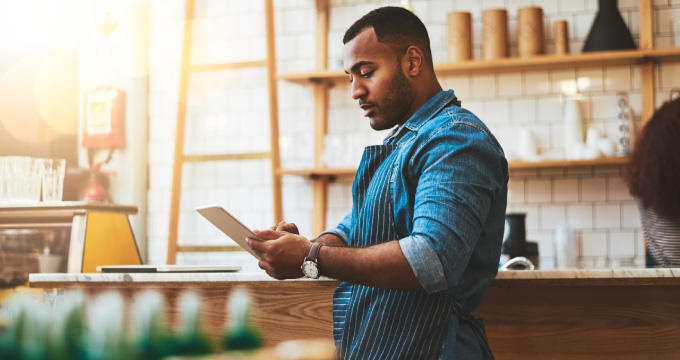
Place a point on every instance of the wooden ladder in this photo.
(180, 158)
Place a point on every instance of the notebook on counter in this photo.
(166, 268)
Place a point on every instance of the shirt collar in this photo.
(425, 112)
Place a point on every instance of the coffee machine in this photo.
(515, 244)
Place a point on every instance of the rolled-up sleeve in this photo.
(459, 175)
(424, 262)
(342, 230)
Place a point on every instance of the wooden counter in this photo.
(580, 314)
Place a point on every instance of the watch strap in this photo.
(313, 254)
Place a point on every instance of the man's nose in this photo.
(357, 90)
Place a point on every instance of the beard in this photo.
(396, 104)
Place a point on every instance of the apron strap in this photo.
(477, 326)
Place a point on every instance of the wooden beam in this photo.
(273, 111)
(322, 27)
(648, 91)
(319, 209)
(320, 185)
(647, 69)
(646, 24)
(178, 160)
(321, 90)
(320, 122)
(227, 66)
(226, 157)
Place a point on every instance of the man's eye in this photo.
(368, 74)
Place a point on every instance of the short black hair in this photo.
(396, 27)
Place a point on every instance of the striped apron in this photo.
(371, 323)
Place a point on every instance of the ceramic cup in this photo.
(527, 149)
(607, 146)
(53, 171)
(592, 137)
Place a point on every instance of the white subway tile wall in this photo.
(228, 112)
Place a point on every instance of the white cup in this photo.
(592, 137)
(526, 146)
(19, 179)
(53, 171)
(607, 146)
(34, 179)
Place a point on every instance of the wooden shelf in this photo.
(665, 54)
(544, 62)
(512, 165)
(320, 172)
(321, 79)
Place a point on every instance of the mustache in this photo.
(362, 102)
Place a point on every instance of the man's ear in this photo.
(416, 60)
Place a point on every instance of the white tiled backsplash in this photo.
(228, 112)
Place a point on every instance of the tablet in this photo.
(166, 268)
(229, 225)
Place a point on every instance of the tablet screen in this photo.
(229, 225)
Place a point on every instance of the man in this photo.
(422, 242)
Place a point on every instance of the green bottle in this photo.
(11, 322)
(191, 339)
(66, 335)
(150, 339)
(240, 333)
(27, 328)
(105, 328)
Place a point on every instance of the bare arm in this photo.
(382, 265)
(330, 240)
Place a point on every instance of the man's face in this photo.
(378, 81)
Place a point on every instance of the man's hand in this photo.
(287, 227)
(281, 253)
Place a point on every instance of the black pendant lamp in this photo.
(609, 31)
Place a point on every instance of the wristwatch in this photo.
(310, 266)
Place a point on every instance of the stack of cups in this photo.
(530, 31)
(22, 177)
(494, 34)
(53, 171)
(460, 36)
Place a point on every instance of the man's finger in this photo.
(288, 227)
(257, 245)
(264, 265)
(269, 234)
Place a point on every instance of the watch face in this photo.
(310, 270)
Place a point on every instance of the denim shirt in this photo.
(448, 188)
